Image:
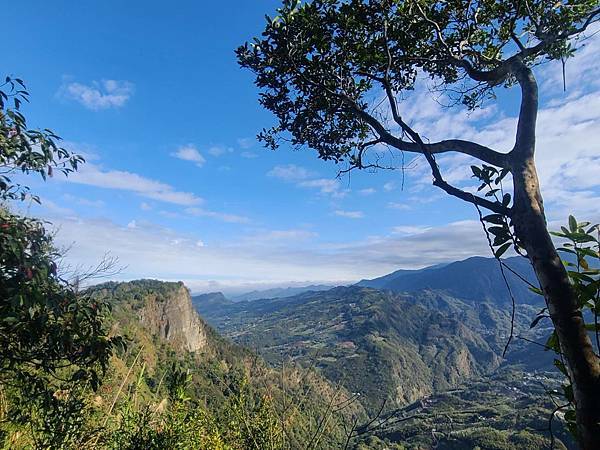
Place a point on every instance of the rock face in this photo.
(171, 316)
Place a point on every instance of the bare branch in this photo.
(420, 147)
(473, 149)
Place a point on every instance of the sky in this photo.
(177, 188)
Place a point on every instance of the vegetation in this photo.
(91, 369)
(133, 366)
(53, 343)
(324, 67)
(385, 347)
(507, 410)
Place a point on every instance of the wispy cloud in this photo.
(290, 173)
(103, 94)
(409, 230)
(399, 206)
(93, 175)
(83, 201)
(367, 191)
(349, 214)
(189, 153)
(304, 178)
(249, 155)
(326, 186)
(246, 143)
(389, 186)
(225, 217)
(269, 256)
(219, 150)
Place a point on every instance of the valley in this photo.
(395, 341)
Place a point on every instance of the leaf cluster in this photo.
(321, 65)
(26, 150)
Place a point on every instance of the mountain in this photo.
(507, 410)
(387, 346)
(212, 300)
(225, 383)
(474, 279)
(280, 292)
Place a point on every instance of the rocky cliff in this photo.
(173, 318)
(163, 309)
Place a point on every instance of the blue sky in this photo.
(177, 188)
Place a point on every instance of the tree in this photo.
(26, 150)
(53, 341)
(324, 67)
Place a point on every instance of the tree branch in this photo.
(525, 138)
(418, 146)
(473, 149)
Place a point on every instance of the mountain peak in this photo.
(476, 278)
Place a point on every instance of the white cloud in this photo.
(131, 225)
(279, 257)
(410, 230)
(349, 214)
(399, 206)
(326, 186)
(93, 175)
(249, 155)
(577, 69)
(246, 143)
(190, 153)
(99, 95)
(367, 191)
(231, 218)
(83, 201)
(218, 150)
(389, 186)
(145, 206)
(304, 178)
(280, 237)
(290, 172)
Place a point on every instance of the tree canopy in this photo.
(26, 150)
(324, 68)
(335, 74)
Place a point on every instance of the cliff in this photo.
(173, 318)
(163, 309)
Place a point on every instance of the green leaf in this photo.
(501, 250)
(536, 320)
(494, 218)
(552, 343)
(572, 224)
(561, 366)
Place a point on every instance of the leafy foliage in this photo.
(322, 66)
(52, 338)
(26, 150)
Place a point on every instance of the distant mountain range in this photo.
(279, 292)
(394, 338)
(419, 349)
(474, 278)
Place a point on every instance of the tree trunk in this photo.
(582, 363)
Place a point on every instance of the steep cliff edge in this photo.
(163, 309)
(173, 318)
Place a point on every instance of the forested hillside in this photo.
(388, 210)
(391, 348)
(177, 382)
